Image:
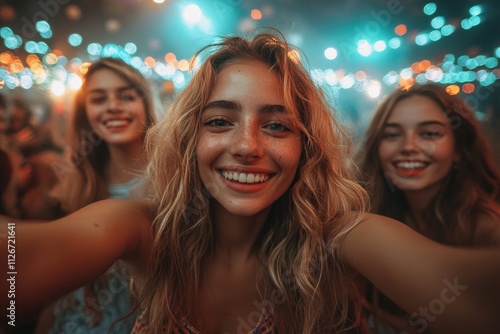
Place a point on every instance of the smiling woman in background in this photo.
(426, 162)
(112, 113)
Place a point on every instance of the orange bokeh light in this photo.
(453, 89)
(406, 84)
(150, 61)
(468, 88)
(170, 57)
(400, 29)
(256, 14)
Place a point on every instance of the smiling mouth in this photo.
(116, 123)
(410, 168)
(245, 177)
(410, 165)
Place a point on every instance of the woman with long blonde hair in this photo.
(113, 110)
(317, 207)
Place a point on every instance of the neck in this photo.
(235, 236)
(125, 162)
(418, 203)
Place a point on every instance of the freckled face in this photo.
(417, 148)
(115, 110)
(248, 149)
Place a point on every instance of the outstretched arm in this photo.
(51, 259)
(446, 289)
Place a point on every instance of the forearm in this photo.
(54, 258)
(447, 289)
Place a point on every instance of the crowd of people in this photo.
(246, 208)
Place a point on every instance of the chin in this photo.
(245, 210)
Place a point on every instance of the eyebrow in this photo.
(233, 105)
(119, 89)
(419, 124)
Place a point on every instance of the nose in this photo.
(114, 104)
(247, 143)
(410, 143)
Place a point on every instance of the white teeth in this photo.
(410, 165)
(118, 122)
(242, 178)
(245, 177)
(250, 178)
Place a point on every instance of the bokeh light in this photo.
(401, 29)
(394, 43)
(256, 14)
(191, 14)
(438, 22)
(475, 10)
(430, 8)
(453, 89)
(75, 39)
(330, 53)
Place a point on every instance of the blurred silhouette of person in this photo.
(4, 123)
(26, 137)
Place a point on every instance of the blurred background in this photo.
(357, 50)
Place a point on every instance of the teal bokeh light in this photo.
(430, 8)
(75, 39)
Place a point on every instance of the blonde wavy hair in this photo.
(471, 188)
(299, 244)
(87, 153)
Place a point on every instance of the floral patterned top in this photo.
(265, 326)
